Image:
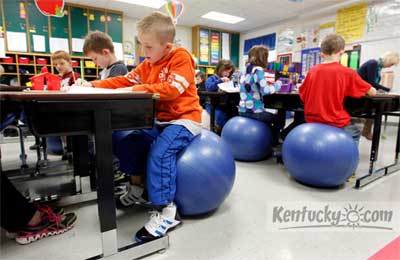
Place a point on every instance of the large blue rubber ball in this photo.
(320, 155)
(205, 174)
(248, 139)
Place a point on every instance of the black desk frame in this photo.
(57, 113)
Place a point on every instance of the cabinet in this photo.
(209, 45)
(19, 67)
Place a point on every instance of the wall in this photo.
(370, 48)
(183, 33)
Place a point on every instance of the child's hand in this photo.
(65, 88)
(82, 83)
(225, 79)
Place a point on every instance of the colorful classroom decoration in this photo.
(309, 58)
(50, 7)
(350, 22)
(204, 46)
(215, 47)
(174, 9)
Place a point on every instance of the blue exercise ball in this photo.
(54, 145)
(205, 174)
(248, 139)
(320, 155)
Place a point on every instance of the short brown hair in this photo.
(258, 56)
(159, 24)
(224, 65)
(61, 55)
(201, 75)
(96, 41)
(332, 44)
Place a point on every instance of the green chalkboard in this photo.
(79, 25)
(235, 48)
(59, 25)
(38, 28)
(97, 21)
(1, 19)
(114, 26)
(15, 15)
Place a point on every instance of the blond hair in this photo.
(96, 41)
(258, 56)
(390, 57)
(332, 44)
(159, 24)
(58, 55)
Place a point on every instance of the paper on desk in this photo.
(88, 90)
(228, 87)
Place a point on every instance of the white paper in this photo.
(57, 44)
(228, 87)
(2, 48)
(88, 90)
(226, 50)
(118, 50)
(39, 43)
(77, 44)
(16, 41)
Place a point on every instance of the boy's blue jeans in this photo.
(154, 152)
(354, 131)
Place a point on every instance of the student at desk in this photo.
(370, 71)
(62, 63)
(254, 86)
(169, 71)
(327, 84)
(223, 73)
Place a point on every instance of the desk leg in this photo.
(212, 116)
(81, 163)
(105, 182)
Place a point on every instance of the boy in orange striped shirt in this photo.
(168, 71)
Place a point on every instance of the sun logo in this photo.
(353, 216)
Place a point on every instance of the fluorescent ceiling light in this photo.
(226, 18)
(156, 4)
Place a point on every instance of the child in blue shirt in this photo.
(224, 71)
(254, 85)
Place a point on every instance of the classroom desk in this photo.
(367, 107)
(56, 113)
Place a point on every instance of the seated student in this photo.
(327, 84)
(169, 71)
(27, 222)
(200, 81)
(224, 71)
(370, 71)
(99, 47)
(254, 86)
(62, 63)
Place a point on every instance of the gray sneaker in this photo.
(133, 195)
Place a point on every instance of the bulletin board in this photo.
(204, 46)
(97, 20)
(114, 24)
(309, 58)
(38, 29)
(215, 47)
(79, 28)
(15, 25)
(60, 33)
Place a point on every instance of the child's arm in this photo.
(181, 77)
(266, 88)
(131, 78)
(371, 77)
(212, 83)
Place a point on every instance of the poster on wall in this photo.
(285, 41)
(350, 22)
(309, 58)
(204, 47)
(215, 47)
(383, 20)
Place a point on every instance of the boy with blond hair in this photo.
(62, 63)
(169, 71)
(99, 47)
(326, 86)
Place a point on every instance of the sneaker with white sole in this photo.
(159, 224)
(134, 195)
(50, 224)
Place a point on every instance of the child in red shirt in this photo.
(326, 86)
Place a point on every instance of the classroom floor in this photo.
(242, 227)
